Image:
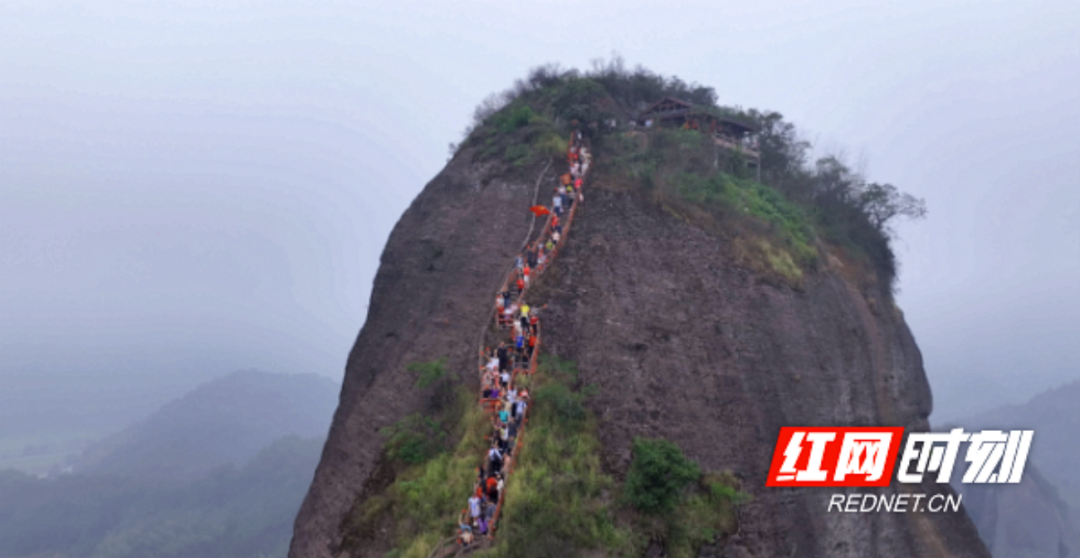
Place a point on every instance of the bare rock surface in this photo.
(682, 342)
(686, 345)
(433, 294)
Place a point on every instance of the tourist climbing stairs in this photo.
(517, 330)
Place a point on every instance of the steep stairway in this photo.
(517, 334)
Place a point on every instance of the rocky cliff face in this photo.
(683, 342)
(434, 293)
(687, 345)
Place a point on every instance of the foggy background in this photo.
(190, 187)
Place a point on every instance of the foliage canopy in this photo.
(834, 203)
(658, 474)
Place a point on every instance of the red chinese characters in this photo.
(835, 456)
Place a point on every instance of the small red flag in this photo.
(539, 210)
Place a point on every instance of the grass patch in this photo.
(692, 179)
(551, 144)
(680, 506)
(413, 440)
(519, 135)
(424, 499)
(657, 475)
(428, 477)
(786, 223)
(518, 154)
(706, 512)
(782, 233)
(780, 261)
(559, 501)
(513, 117)
(429, 372)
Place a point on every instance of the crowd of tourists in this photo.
(517, 352)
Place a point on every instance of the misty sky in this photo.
(189, 187)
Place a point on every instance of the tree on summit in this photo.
(882, 202)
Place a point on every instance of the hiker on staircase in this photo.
(499, 366)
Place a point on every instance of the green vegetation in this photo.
(440, 387)
(514, 118)
(658, 475)
(430, 372)
(706, 511)
(424, 499)
(518, 154)
(244, 512)
(577, 98)
(551, 144)
(723, 191)
(680, 506)
(517, 133)
(686, 173)
(778, 216)
(559, 502)
(430, 478)
(417, 438)
(413, 439)
(776, 222)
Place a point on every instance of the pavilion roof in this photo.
(672, 106)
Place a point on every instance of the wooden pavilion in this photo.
(727, 132)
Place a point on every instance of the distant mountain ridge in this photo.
(219, 472)
(1055, 417)
(225, 421)
(1040, 517)
(232, 512)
